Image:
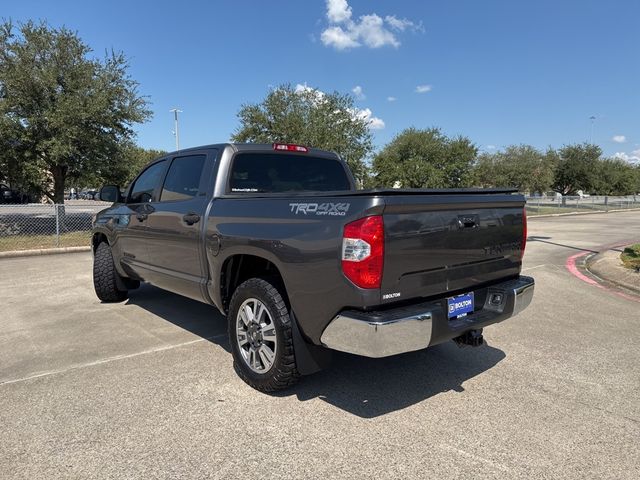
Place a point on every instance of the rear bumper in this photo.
(405, 329)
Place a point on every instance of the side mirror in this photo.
(110, 193)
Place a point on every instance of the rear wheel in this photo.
(108, 284)
(261, 337)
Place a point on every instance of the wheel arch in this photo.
(97, 238)
(239, 267)
(106, 236)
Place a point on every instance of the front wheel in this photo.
(106, 281)
(261, 337)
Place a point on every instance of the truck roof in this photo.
(256, 147)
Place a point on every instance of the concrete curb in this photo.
(546, 215)
(43, 251)
(606, 266)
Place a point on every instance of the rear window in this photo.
(272, 173)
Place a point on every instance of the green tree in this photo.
(127, 163)
(424, 159)
(64, 113)
(20, 175)
(520, 166)
(577, 169)
(309, 117)
(615, 177)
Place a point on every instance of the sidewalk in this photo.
(607, 266)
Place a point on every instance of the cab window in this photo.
(144, 188)
(183, 178)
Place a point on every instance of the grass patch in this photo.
(631, 256)
(532, 211)
(35, 242)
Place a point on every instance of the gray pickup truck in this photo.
(279, 239)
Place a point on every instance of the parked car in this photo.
(8, 195)
(88, 194)
(278, 239)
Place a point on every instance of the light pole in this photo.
(175, 128)
(593, 119)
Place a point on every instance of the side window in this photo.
(144, 186)
(183, 178)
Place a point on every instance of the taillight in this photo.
(524, 231)
(363, 251)
(289, 147)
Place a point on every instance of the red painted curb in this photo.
(571, 266)
(573, 269)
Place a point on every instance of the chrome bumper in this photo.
(405, 329)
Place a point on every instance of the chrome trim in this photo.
(378, 339)
(352, 332)
(523, 296)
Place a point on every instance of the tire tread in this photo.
(286, 374)
(104, 275)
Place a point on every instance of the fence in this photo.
(40, 226)
(555, 205)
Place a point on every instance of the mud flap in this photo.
(309, 358)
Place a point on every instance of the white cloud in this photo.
(491, 147)
(338, 11)
(401, 24)
(391, 99)
(619, 138)
(374, 123)
(357, 91)
(633, 157)
(423, 88)
(338, 39)
(304, 88)
(370, 30)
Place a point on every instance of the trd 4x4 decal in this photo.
(333, 209)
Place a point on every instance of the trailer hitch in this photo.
(472, 338)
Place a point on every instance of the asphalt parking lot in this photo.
(146, 388)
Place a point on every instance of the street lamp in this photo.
(175, 128)
(593, 119)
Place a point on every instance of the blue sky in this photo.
(499, 72)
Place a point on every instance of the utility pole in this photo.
(593, 119)
(175, 128)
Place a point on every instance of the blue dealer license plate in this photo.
(460, 305)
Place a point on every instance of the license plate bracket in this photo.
(460, 305)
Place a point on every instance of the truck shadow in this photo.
(365, 387)
(369, 387)
(195, 317)
(547, 240)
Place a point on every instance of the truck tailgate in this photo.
(439, 244)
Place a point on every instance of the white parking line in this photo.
(110, 359)
(537, 266)
(477, 458)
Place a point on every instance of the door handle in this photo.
(467, 222)
(191, 218)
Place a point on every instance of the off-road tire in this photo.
(105, 276)
(283, 373)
